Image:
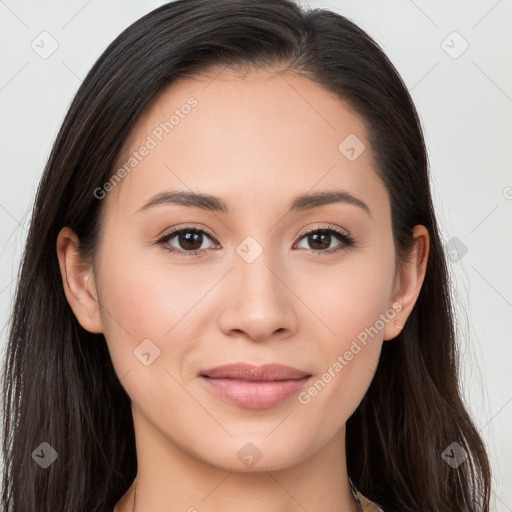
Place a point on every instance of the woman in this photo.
(233, 292)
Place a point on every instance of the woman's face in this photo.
(249, 285)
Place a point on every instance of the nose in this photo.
(260, 303)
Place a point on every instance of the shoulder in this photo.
(369, 506)
(374, 508)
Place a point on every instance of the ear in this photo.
(79, 283)
(408, 282)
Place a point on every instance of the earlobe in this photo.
(78, 282)
(409, 282)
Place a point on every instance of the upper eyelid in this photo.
(174, 231)
(329, 227)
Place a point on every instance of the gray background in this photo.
(464, 97)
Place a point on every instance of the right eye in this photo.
(188, 241)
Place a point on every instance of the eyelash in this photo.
(347, 241)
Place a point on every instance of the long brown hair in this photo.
(59, 384)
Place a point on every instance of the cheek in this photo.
(141, 302)
(352, 302)
(350, 297)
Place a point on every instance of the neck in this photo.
(170, 478)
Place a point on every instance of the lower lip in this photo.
(254, 394)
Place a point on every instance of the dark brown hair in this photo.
(59, 383)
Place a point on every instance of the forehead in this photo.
(246, 135)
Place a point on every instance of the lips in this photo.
(254, 387)
(249, 372)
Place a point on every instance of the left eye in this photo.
(320, 240)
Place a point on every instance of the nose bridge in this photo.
(255, 271)
(260, 303)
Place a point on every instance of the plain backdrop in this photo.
(455, 58)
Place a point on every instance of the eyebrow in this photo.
(215, 204)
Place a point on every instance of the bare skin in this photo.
(255, 141)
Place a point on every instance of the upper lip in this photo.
(246, 371)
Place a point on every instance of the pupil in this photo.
(314, 237)
(189, 238)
